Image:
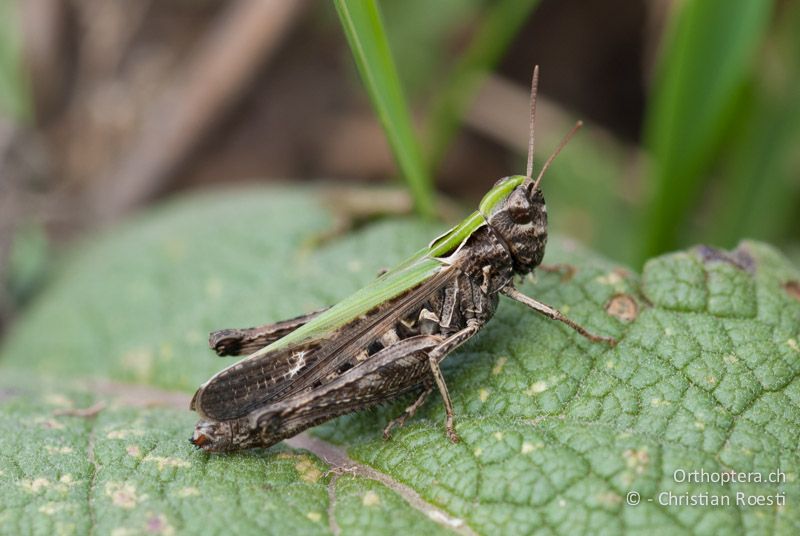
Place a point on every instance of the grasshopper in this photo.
(388, 338)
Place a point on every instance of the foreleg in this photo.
(555, 314)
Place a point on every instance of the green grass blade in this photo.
(14, 95)
(704, 67)
(422, 35)
(361, 20)
(760, 192)
(502, 22)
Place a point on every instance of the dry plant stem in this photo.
(91, 411)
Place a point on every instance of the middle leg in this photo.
(436, 356)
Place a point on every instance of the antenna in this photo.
(553, 156)
(531, 137)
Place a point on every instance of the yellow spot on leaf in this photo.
(536, 388)
(483, 394)
(711, 379)
(163, 462)
(477, 452)
(609, 499)
(35, 485)
(314, 516)
(700, 425)
(122, 494)
(57, 450)
(611, 278)
(637, 459)
(189, 491)
(65, 529)
(124, 433)
(527, 448)
(498, 366)
(307, 469)
(731, 359)
(50, 508)
(498, 436)
(793, 345)
(371, 499)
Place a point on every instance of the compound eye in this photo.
(519, 208)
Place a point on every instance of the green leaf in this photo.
(705, 63)
(362, 24)
(555, 430)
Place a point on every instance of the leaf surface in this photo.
(556, 431)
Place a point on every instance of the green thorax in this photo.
(410, 273)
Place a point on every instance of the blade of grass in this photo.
(501, 24)
(14, 97)
(761, 189)
(421, 34)
(700, 76)
(362, 24)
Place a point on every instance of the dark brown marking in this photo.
(623, 307)
(792, 288)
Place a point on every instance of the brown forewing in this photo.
(310, 365)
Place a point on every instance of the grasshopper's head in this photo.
(516, 210)
(515, 207)
(213, 436)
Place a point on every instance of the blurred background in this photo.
(692, 112)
